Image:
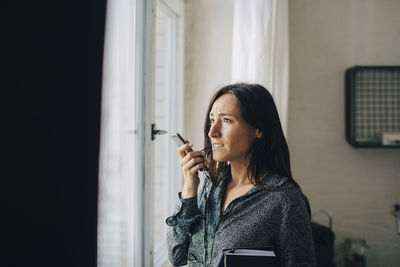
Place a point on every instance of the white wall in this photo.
(208, 48)
(357, 185)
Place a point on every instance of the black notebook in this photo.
(242, 257)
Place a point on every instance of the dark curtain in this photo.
(51, 87)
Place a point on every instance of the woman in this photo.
(249, 198)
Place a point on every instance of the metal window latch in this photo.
(155, 131)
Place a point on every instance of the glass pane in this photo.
(163, 116)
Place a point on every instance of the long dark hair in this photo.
(270, 153)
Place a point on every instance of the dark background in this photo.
(51, 99)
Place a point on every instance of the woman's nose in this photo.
(214, 131)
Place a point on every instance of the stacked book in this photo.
(241, 257)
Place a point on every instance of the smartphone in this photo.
(179, 140)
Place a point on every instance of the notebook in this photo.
(243, 257)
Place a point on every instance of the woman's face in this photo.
(231, 137)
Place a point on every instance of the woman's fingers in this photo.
(192, 155)
(197, 167)
(191, 162)
(194, 164)
(183, 148)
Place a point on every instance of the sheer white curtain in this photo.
(260, 51)
(116, 224)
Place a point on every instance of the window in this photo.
(168, 116)
(139, 178)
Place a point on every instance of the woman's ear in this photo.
(258, 133)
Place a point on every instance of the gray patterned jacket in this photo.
(262, 217)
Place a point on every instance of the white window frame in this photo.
(143, 83)
(131, 37)
(176, 9)
(145, 46)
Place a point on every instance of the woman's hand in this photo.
(191, 163)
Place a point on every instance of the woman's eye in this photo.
(211, 120)
(227, 120)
